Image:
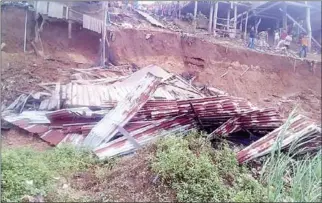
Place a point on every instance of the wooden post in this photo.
(69, 29)
(25, 34)
(104, 32)
(277, 24)
(308, 26)
(228, 18)
(246, 21)
(284, 16)
(241, 26)
(215, 17)
(195, 16)
(210, 17)
(257, 24)
(235, 20)
(179, 10)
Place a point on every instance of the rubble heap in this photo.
(117, 110)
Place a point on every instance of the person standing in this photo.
(252, 36)
(304, 45)
(282, 41)
(276, 37)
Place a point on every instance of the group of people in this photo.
(281, 41)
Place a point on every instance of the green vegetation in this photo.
(189, 165)
(199, 173)
(28, 172)
(290, 179)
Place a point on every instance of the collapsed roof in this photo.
(116, 114)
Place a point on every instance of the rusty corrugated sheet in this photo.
(123, 112)
(107, 96)
(144, 135)
(268, 119)
(214, 111)
(73, 138)
(300, 126)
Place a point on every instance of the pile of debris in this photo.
(116, 111)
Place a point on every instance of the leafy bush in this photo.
(199, 173)
(28, 172)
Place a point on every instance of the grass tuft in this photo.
(199, 173)
(28, 172)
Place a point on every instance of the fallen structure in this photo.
(115, 111)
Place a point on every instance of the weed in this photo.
(199, 173)
(27, 172)
(291, 179)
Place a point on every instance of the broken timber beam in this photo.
(125, 110)
(129, 137)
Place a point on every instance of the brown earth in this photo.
(269, 81)
(128, 179)
(17, 138)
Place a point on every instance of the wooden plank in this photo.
(125, 110)
(129, 137)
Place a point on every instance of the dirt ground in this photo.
(16, 138)
(127, 179)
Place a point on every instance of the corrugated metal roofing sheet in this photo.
(300, 126)
(144, 135)
(259, 119)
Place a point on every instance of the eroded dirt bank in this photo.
(265, 80)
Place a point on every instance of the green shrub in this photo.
(28, 172)
(292, 179)
(199, 173)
